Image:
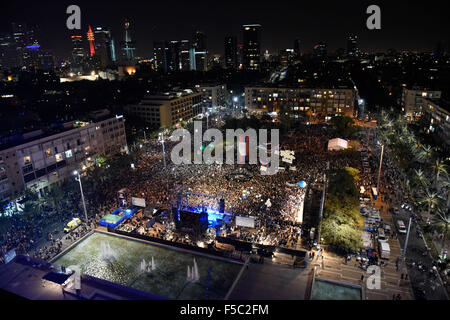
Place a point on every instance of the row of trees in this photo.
(342, 224)
(426, 181)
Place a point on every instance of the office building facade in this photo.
(252, 46)
(231, 52)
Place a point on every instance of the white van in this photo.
(381, 236)
(385, 250)
(401, 226)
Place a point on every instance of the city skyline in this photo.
(310, 23)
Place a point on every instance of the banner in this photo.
(248, 222)
(138, 202)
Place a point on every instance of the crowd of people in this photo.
(273, 200)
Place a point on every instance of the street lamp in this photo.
(161, 137)
(379, 168)
(78, 178)
(404, 249)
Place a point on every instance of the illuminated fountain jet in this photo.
(192, 273)
(106, 253)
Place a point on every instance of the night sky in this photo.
(405, 25)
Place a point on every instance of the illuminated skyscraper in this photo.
(27, 47)
(173, 56)
(320, 50)
(352, 47)
(252, 46)
(128, 47)
(200, 51)
(231, 52)
(297, 47)
(185, 63)
(104, 46)
(90, 37)
(160, 49)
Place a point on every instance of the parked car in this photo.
(381, 236)
(401, 226)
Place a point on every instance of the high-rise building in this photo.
(91, 39)
(240, 53)
(160, 56)
(199, 41)
(352, 47)
(252, 46)
(286, 56)
(47, 62)
(201, 62)
(27, 47)
(231, 52)
(103, 46)
(320, 50)
(173, 56)
(185, 63)
(7, 52)
(297, 47)
(128, 46)
(200, 51)
(78, 53)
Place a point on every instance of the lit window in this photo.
(48, 152)
(68, 153)
(59, 157)
(26, 160)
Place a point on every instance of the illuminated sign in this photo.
(34, 47)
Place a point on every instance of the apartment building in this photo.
(38, 159)
(298, 102)
(413, 101)
(168, 109)
(213, 95)
(437, 120)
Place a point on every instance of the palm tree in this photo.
(438, 168)
(431, 199)
(425, 154)
(443, 218)
(420, 178)
(444, 188)
(56, 195)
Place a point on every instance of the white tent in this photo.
(337, 144)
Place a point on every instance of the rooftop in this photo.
(18, 138)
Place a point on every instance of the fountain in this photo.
(106, 253)
(148, 267)
(192, 273)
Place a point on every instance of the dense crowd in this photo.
(274, 200)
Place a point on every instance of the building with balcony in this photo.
(38, 159)
(318, 103)
(412, 101)
(436, 118)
